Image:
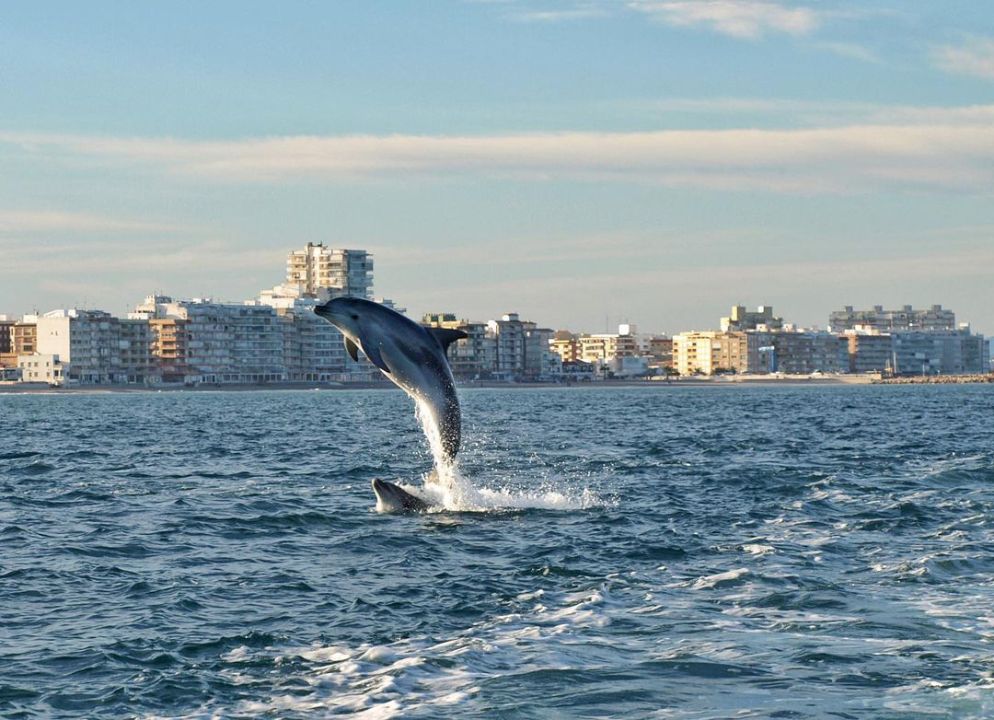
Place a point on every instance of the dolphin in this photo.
(411, 355)
(391, 498)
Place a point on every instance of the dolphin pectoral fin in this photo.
(373, 353)
(446, 337)
(352, 349)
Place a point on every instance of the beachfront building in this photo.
(659, 351)
(566, 345)
(134, 350)
(37, 368)
(711, 353)
(330, 272)
(506, 349)
(600, 348)
(905, 319)
(8, 359)
(473, 357)
(87, 343)
(202, 341)
(939, 353)
(313, 348)
(24, 336)
(935, 352)
(806, 352)
(869, 350)
(541, 363)
(168, 348)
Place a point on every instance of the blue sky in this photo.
(583, 163)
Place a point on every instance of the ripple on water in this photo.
(666, 552)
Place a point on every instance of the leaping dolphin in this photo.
(411, 355)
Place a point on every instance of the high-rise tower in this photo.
(337, 271)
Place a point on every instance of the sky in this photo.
(581, 163)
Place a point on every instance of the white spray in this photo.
(446, 487)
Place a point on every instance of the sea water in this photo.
(704, 552)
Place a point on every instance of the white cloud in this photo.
(748, 19)
(852, 51)
(945, 150)
(975, 57)
(555, 16)
(12, 221)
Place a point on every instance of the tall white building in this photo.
(331, 272)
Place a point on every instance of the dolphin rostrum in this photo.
(411, 355)
(391, 498)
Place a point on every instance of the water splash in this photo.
(449, 489)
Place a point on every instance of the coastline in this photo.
(715, 381)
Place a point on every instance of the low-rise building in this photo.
(38, 368)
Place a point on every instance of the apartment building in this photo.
(24, 336)
(473, 357)
(710, 352)
(803, 353)
(566, 345)
(741, 319)
(313, 348)
(86, 342)
(330, 272)
(8, 359)
(869, 351)
(210, 342)
(939, 353)
(905, 319)
(598, 349)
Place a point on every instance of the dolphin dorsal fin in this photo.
(446, 336)
(352, 349)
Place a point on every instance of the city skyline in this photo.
(579, 163)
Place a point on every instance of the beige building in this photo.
(24, 336)
(602, 348)
(566, 345)
(710, 352)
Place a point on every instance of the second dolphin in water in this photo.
(411, 355)
(392, 498)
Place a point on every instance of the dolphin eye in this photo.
(354, 316)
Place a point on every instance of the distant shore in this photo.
(697, 381)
